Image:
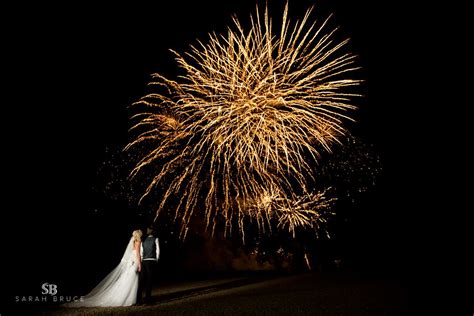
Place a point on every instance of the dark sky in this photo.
(72, 71)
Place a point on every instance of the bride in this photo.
(119, 287)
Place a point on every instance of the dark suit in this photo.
(150, 254)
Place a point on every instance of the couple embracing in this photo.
(124, 286)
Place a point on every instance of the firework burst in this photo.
(250, 115)
(311, 210)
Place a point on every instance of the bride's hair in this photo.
(137, 235)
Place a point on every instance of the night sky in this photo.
(74, 69)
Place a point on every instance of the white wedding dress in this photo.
(118, 288)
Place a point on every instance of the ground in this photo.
(263, 294)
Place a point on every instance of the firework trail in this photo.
(250, 116)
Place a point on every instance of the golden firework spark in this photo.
(251, 112)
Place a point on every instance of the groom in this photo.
(150, 253)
